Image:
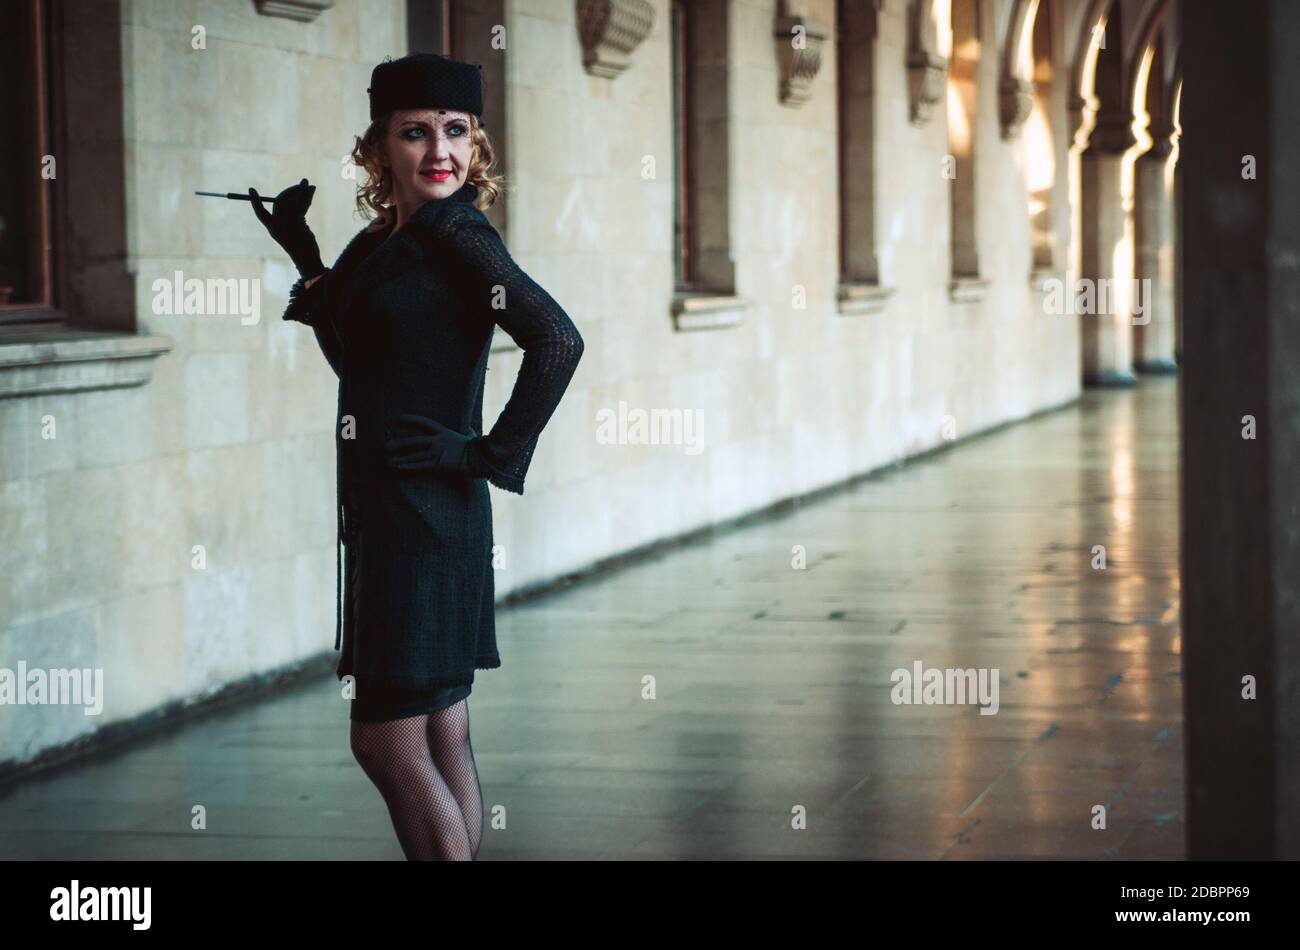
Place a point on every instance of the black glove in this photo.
(435, 449)
(287, 223)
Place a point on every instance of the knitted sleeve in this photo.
(550, 342)
(307, 305)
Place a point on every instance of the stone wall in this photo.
(229, 445)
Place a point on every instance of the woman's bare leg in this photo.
(426, 814)
(451, 752)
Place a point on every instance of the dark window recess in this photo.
(683, 208)
(26, 264)
(429, 26)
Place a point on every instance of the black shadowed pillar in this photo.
(1241, 496)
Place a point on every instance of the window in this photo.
(701, 144)
(67, 318)
(683, 205)
(963, 83)
(26, 188)
(856, 84)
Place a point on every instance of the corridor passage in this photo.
(767, 730)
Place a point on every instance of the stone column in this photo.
(1107, 252)
(1241, 496)
(1153, 340)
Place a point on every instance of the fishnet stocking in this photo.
(452, 753)
(406, 759)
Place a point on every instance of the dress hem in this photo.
(444, 681)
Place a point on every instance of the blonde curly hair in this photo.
(375, 193)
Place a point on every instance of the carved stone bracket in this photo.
(1082, 118)
(927, 76)
(1015, 101)
(1162, 133)
(610, 31)
(302, 10)
(1113, 132)
(799, 40)
(927, 71)
(1016, 72)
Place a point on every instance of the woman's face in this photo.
(428, 151)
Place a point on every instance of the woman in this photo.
(405, 317)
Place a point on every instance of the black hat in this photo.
(426, 81)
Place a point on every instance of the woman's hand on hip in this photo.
(432, 447)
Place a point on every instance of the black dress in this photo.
(380, 702)
(406, 320)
